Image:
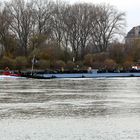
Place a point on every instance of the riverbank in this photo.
(92, 73)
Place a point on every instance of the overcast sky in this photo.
(130, 7)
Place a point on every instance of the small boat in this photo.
(10, 74)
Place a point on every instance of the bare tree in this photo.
(86, 16)
(65, 29)
(108, 23)
(21, 25)
(79, 25)
(43, 13)
(74, 33)
(58, 22)
(4, 30)
(73, 27)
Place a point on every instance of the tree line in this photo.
(60, 34)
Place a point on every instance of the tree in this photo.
(117, 53)
(4, 31)
(107, 23)
(22, 21)
(43, 13)
(86, 16)
(65, 30)
(57, 22)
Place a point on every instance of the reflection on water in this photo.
(100, 109)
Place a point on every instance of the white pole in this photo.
(33, 61)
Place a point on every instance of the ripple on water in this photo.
(86, 109)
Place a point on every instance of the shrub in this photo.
(79, 65)
(97, 65)
(127, 65)
(110, 64)
(21, 62)
(6, 62)
(59, 64)
(88, 60)
(117, 53)
(100, 57)
(70, 65)
(42, 64)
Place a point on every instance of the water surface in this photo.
(79, 109)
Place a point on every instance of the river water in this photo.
(70, 109)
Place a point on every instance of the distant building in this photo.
(132, 35)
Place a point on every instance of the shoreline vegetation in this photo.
(64, 37)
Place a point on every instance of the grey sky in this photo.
(130, 7)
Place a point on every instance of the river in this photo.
(70, 109)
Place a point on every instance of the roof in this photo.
(134, 32)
